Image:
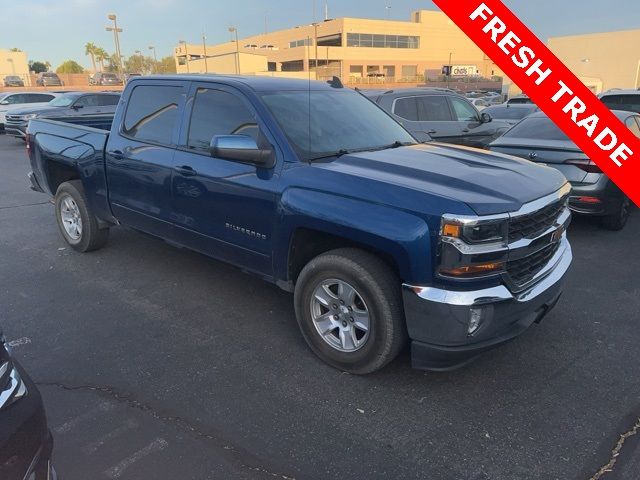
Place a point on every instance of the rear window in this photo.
(537, 128)
(520, 101)
(629, 103)
(106, 100)
(152, 113)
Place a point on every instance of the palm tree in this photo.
(90, 49)
(101, 56)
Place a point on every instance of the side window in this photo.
(108, 100)
(39, 97)
(152, 113)
(406, 108)
(434, 108)
(87, 101)
(216, 112)
(634, 126)
(464, 111)
(15, 99)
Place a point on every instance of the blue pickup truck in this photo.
(313, 187)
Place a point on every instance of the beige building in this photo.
(602, 60)
(351, 48)
(13, 63)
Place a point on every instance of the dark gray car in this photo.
(538, 139)
(511, 113)
(441, 114)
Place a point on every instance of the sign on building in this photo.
(464, 70)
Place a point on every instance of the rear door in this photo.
(223, 208)
(428, 114)
(140, 155)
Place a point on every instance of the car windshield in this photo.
(507, 113)
(538, 128)
(63, 101)
(326, 123)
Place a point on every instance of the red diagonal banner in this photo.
(553, 87)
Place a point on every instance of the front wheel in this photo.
(349, 308)
(78, 226)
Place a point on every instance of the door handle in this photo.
(465, 130)
(431, 132)
(116, 154)
(186, 171)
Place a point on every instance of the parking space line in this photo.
(94, 446)
(71, 424)
(155, 446)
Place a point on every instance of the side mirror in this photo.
(240, 148)
(486, 118)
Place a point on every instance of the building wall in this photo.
(14, 63)
(609, 60)
(438, 38)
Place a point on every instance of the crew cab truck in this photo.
(313, 187)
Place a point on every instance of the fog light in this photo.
(475, 320)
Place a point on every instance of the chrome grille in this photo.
(522, 271)
(534, 224)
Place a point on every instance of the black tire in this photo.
(617, 221)
(380, 290)
(92, 236)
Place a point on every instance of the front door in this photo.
(140, 157)
(225, 209)
(429, 114)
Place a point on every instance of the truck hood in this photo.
(489, 183)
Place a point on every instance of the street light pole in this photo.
(638, 76)
(204, 46)
(235, 30)
(155, 58)
(116, 39)
(186, 53)
(450, 71)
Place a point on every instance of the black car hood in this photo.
(489, 183)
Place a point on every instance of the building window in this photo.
(300, 43)
(330, 40)
(382, 41)
(271, 66)
(409, 70)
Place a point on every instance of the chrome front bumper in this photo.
(438, 321)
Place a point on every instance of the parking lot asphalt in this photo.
(159, 363)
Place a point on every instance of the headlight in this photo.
(475, 232)
(472, 247)
(29, 116)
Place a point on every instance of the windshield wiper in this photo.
(337, 154)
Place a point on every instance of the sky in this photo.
(57, 30)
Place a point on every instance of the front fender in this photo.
(403, 236)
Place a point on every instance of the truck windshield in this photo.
(325, 123)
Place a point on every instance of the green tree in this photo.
(112, 63)
(90, 49)
(139, 64)
(39, 67)
(70, 66)
(166, 65)
(15, 49)
(101, 56)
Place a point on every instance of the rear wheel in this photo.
(617, 221)
(349, 309)
(78, 225)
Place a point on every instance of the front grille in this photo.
(533, 224)
(522, 271)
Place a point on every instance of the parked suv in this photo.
(628, 100)
(48, 79)
(9, 101)
(106, 79)
(13, 81)
(90, 109)
(441, 114)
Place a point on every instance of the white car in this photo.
(9, 100)
(479, 103)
